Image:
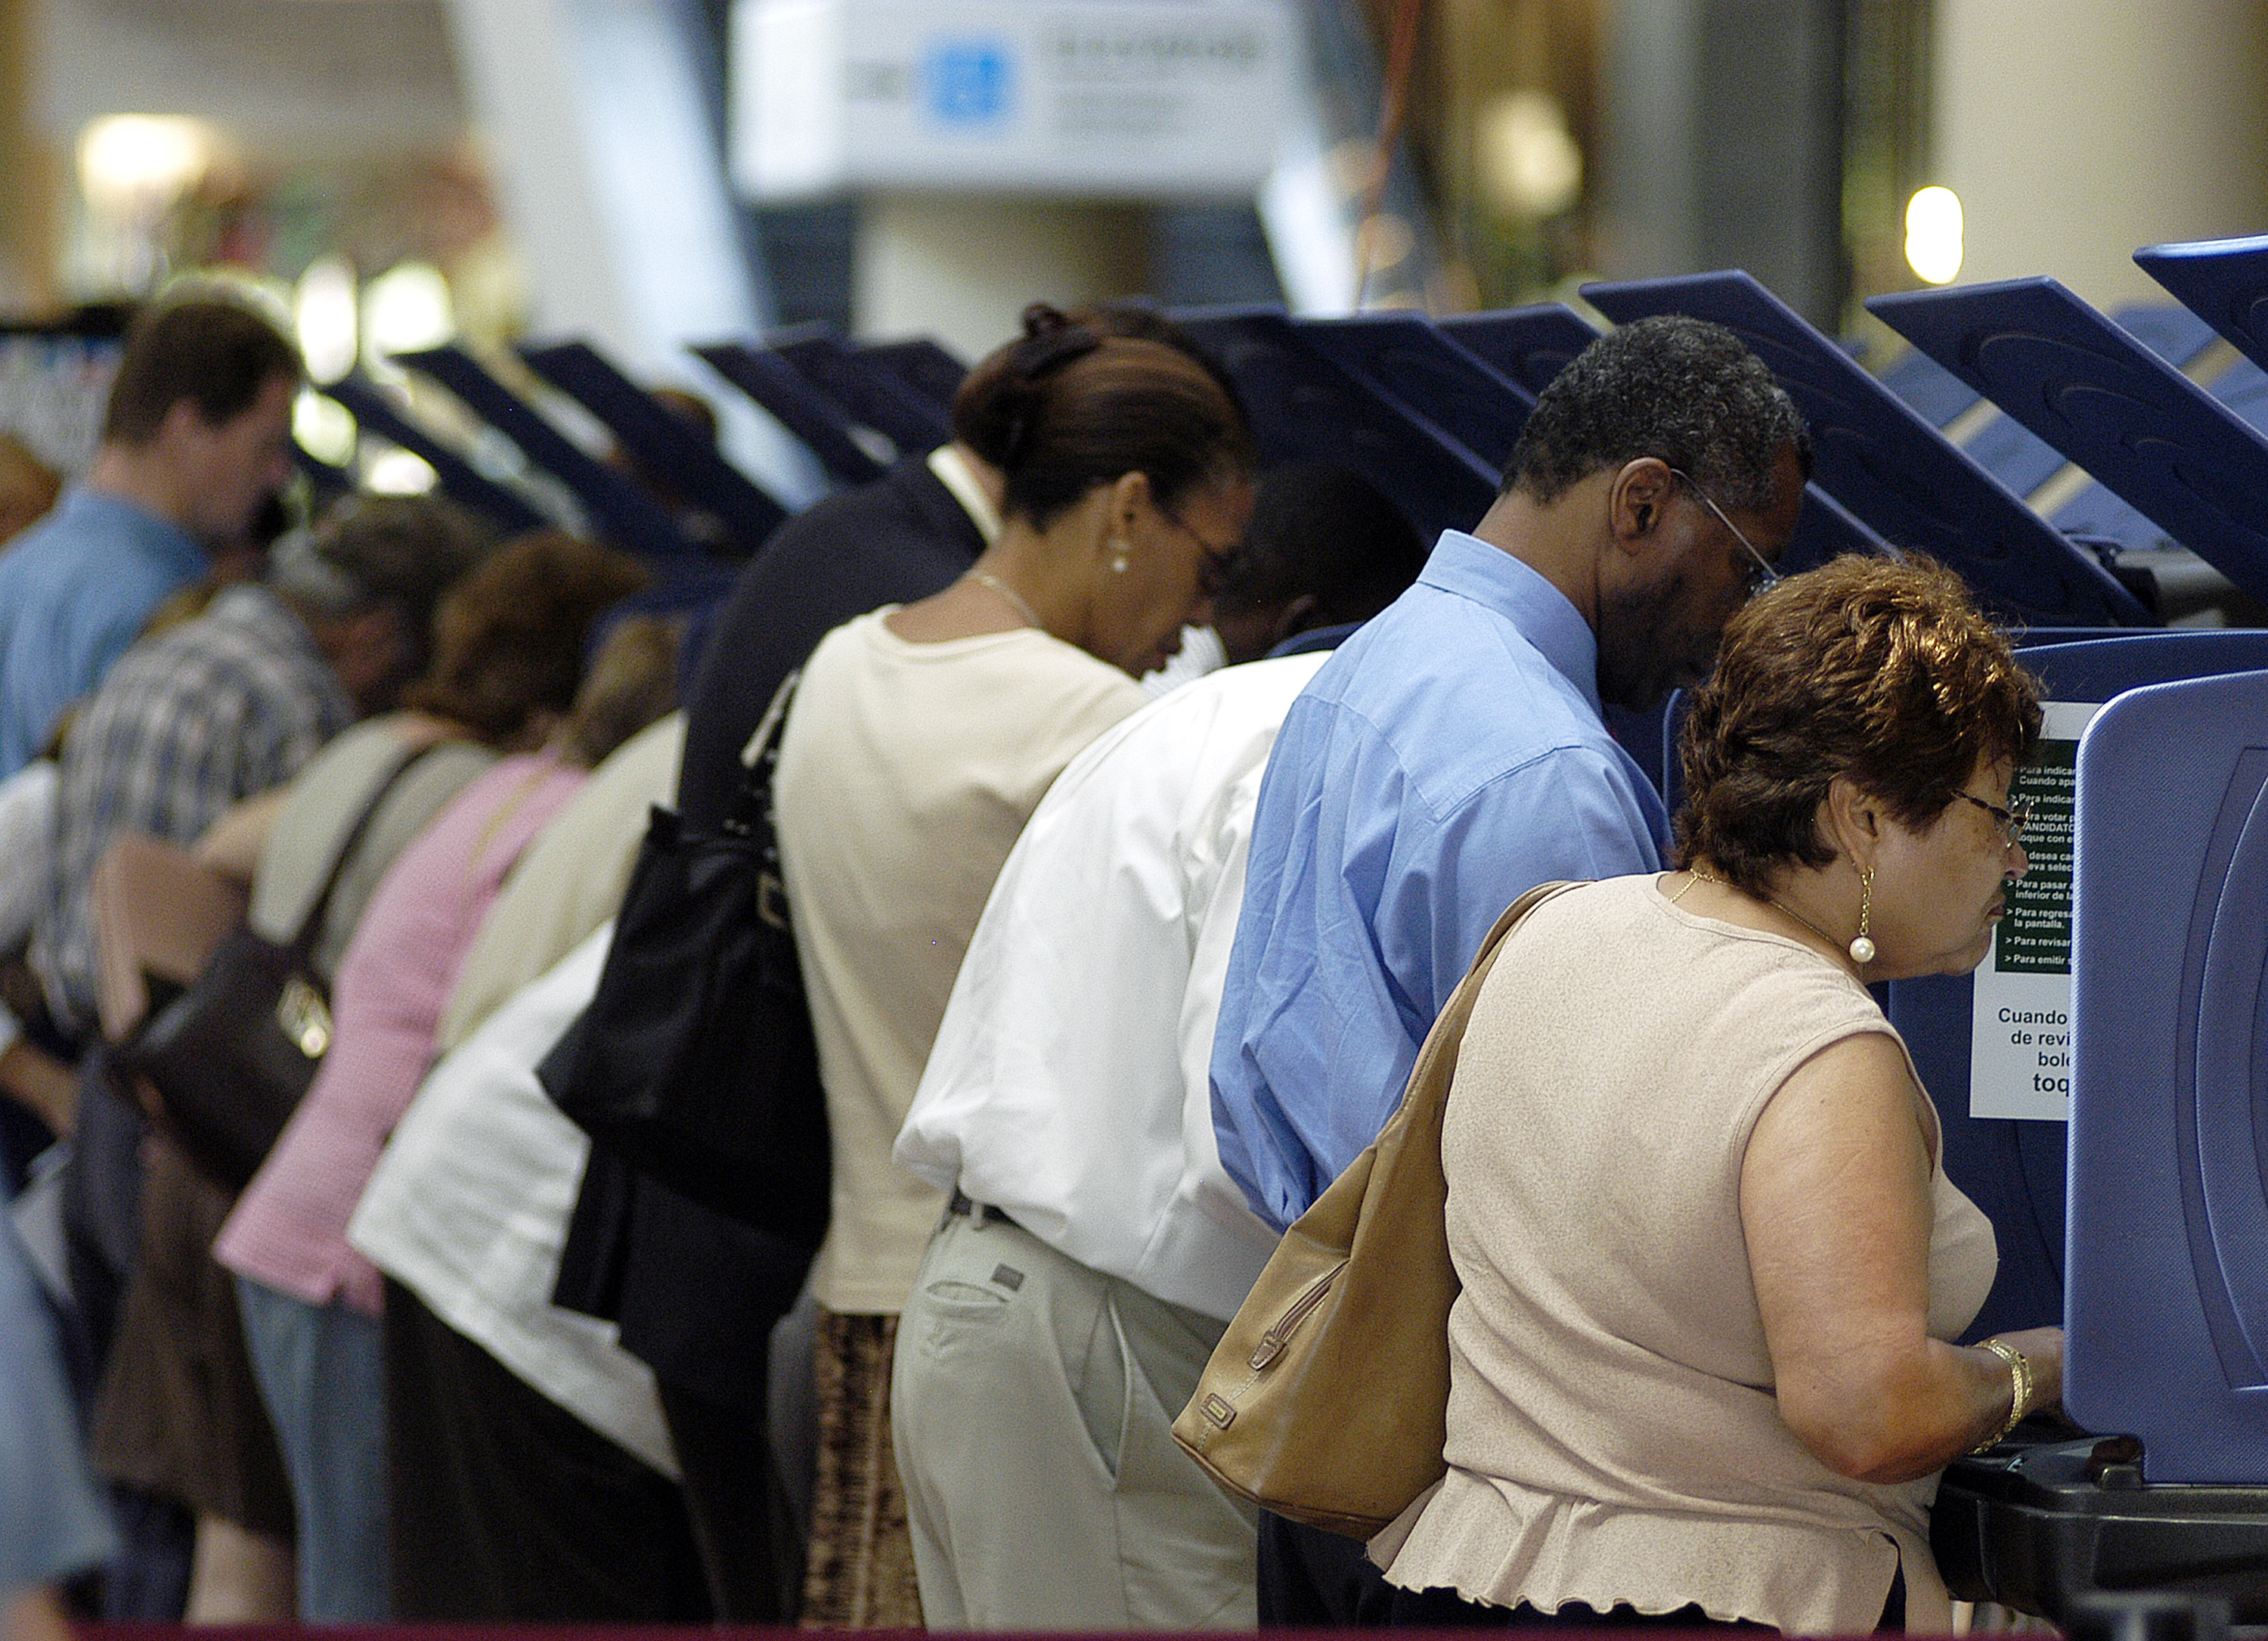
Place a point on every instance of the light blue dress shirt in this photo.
(74, 590)
(1449, 758)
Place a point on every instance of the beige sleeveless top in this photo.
(1612, 1431)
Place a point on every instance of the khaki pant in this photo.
(1034, 1402)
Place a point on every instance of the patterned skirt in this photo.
(860, 1573)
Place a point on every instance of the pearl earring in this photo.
(1862, 948)
(1118, 554)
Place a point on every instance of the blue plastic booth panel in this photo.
(2168, 1238)
(460, 480)
(2129, 418)
(2097, 510)
(626, 514)
(1306, 407)
(873, 395)
(1933, 392)
(2013, 1170)
(920, 363)
(795, 404)
(2167, 328)
(1891, 468)
(1406, 358)
(2224, 282)
(1531, 345)
(664, 443)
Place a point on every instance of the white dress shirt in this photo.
(1068, 1085)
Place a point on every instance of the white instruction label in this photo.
(2019, 1029)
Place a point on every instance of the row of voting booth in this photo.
(2103, 1077)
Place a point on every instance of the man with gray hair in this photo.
(223, 707)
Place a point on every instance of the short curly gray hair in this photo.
(1667, 386)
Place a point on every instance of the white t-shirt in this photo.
(1069, 1083)
(905, 773)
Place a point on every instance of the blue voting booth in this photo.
(922, 364)
(2166, 1307)
(866, 391)
(803, 410)
(460, 480)
(2100, 397)
(2013, 1169)
(1305, 406)
(664, 443)
(617, 507)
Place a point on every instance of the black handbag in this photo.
(232, 1053)
(694, 1061)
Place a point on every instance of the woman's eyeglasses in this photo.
(1216, 565)
(2010, 820)
(1761, 576)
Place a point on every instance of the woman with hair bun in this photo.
(919, 740)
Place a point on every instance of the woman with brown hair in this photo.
(1702, 1367)
(919, 740)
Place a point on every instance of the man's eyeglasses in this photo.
(2010, 820)
(1761, 576)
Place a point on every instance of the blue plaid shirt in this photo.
(187, 724)
(1449, 757)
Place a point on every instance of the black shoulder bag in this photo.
(231, 1055)
(694, 1061)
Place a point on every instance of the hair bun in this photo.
(1051, 341)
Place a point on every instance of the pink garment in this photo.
(289, 1232)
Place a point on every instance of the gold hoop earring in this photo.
(1862, 948)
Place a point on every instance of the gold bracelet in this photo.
(2020, 1389)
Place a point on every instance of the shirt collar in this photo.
(162, 539)
(954, 472)
(1466, 567)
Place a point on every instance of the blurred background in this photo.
(646, 173)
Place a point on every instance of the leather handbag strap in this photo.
(303, 940)
(750, 816)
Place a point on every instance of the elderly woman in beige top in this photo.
(1701, 1368)
(919, 741)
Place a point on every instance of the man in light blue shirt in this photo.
(196, 438)
(1451, 755)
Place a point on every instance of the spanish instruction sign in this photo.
(2020, 1032)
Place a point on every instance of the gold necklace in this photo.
(1009, 593)
(1769, 900)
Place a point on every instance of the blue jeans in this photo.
(322, 1373)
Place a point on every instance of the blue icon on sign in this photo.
(967, 81)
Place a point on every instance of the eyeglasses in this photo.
(1216, 565)
(1761, 576)
(2010, 820)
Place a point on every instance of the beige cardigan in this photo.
(1612, 1431)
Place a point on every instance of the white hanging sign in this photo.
(1093, 97)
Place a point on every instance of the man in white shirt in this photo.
(1095, 1249)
